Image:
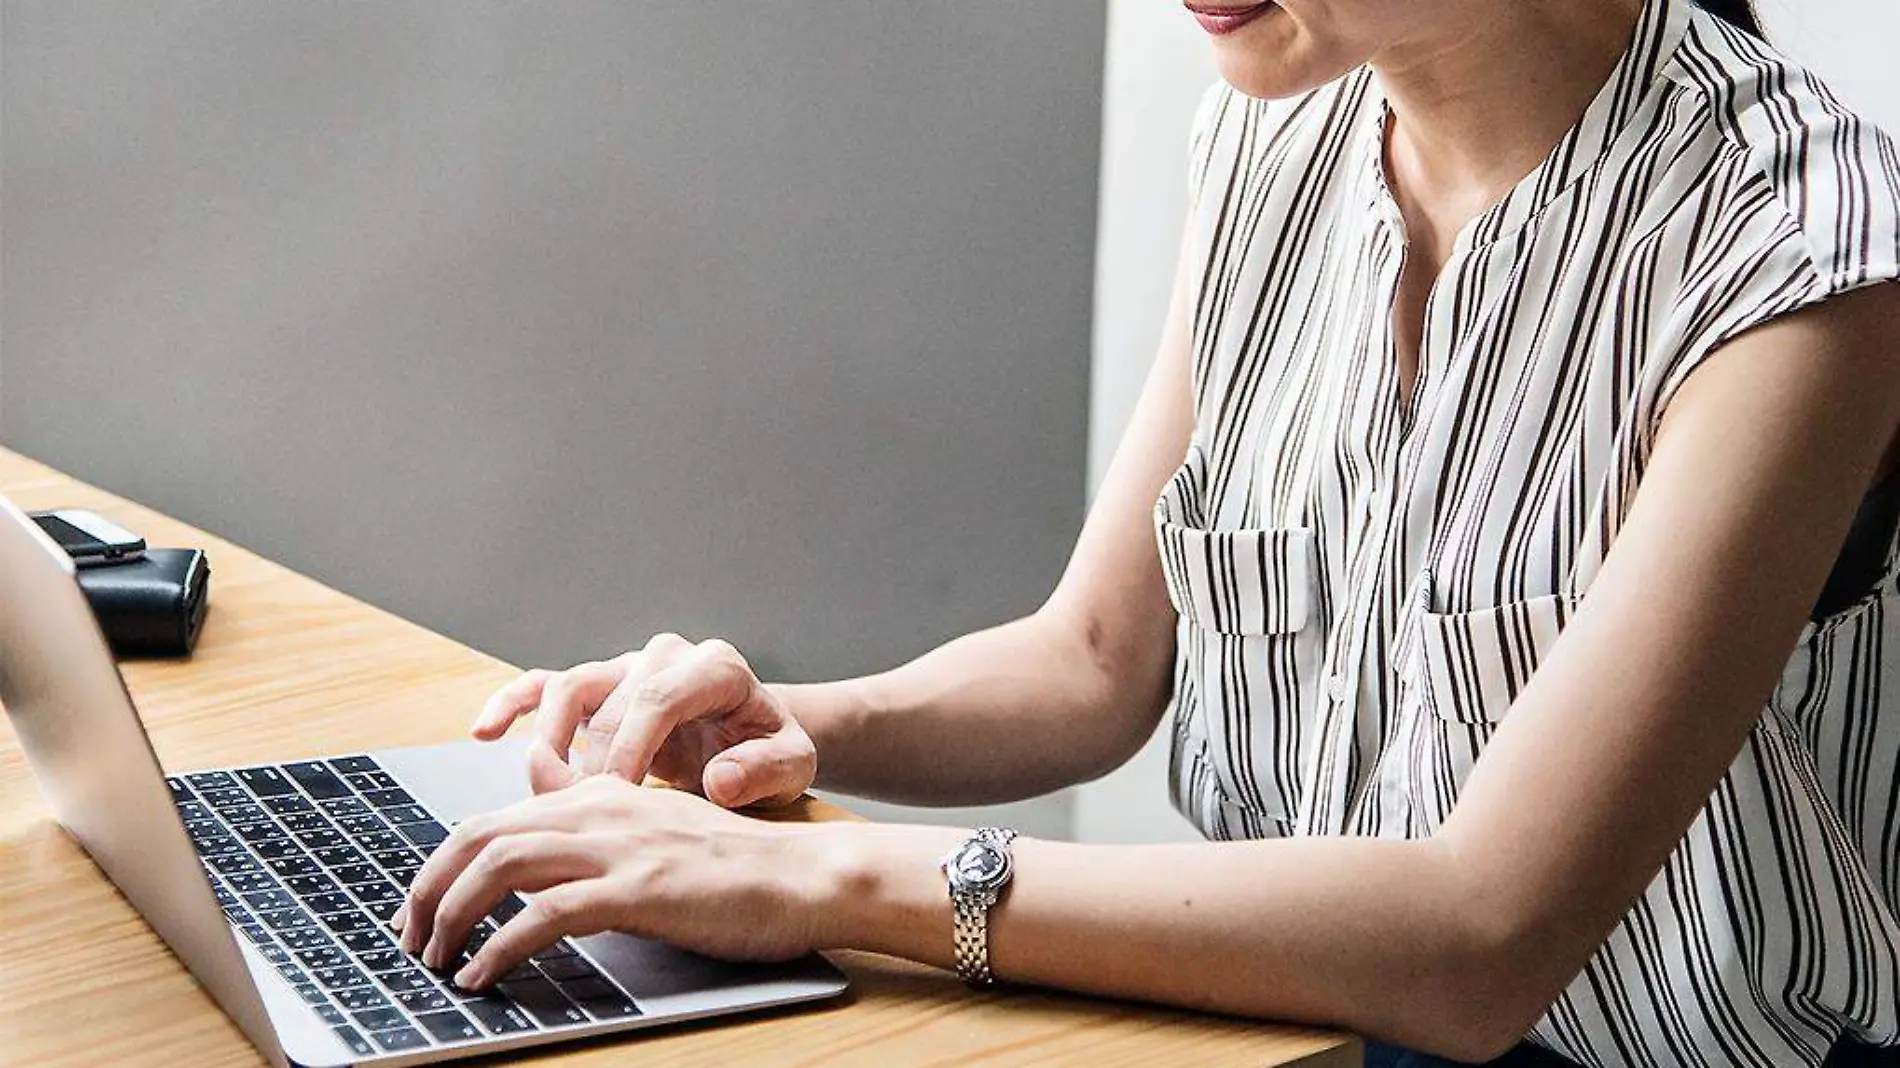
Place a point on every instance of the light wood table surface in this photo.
(287, 668)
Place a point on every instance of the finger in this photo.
(568, 698)
(548, 771)
(577, 909)
(774, 769)
(527, 862)
(508, 704)
(542, 812)
(712, 678)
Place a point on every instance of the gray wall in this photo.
(550, 325)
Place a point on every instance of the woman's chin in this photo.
(1271, 77)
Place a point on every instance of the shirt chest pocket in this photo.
(1468, 667)
(1248, 655)
(1458, 674)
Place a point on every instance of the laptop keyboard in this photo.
(310, 860)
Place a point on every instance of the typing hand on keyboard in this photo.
(607, 855)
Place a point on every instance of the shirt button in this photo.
(1338, 687)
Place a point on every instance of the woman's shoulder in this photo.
(1800, 155)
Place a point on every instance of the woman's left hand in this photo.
(607, 855)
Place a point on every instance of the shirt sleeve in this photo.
(1797, 221)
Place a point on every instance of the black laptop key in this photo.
(324, 904)
(566, 968)
(217, 845)
(292, 973)
(520, 973)
(223, 797)
(330, 956)
(274, 954)
(407, 979)
(406, 814)
(539, 999)
(385, 960)
(399, 1039)
(270, 900)
(197, 830)
(354, 1039)
(330, 1014)
(380, 1019)
(192, 810)
(345, 806)
(425, 835)
(361, 998)
(180, 792)
(379, 840)
(289, 804)
(308, 885)
(383, 910)
(510, 907)
(353, 764)
(321, 838)
(265, 782)
(351, 874)
(348, 922)
(497, 1017)
(287, 919)
(600, 998)
(338, 856)
(381, 890)
(344, 975)
(301, 823)
(237, 915)
(245, 882)
(560, 949)
(373, 780)
(387, 798)
(317, 780)
(424, 1000)
(311, 995)
(357, 826)
(257, 832)
(295, 864)
(369, 940)
(258, 935)
(449, 1025)
(277, 848)
(306, 938)
(244, 814)
(404, 877)
(233, 864)
(209, 780)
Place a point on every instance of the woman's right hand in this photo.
(693, 714)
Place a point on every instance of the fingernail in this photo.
(432, 956)
(396, 921)
(725, 779)
(469, 978)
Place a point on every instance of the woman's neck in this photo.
(1475, 111)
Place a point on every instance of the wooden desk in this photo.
(288, 667)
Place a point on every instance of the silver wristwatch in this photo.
(978, 872)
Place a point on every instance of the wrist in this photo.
(879, 888)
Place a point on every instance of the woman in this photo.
(1439, 363)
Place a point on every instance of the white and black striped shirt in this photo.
(1364, 586)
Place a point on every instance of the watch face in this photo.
(980, 866)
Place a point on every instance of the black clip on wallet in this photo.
(151, 607)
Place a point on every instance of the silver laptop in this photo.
(273, 883)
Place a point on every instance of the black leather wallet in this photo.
(151, 607)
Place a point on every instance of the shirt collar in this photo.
(1659, 28)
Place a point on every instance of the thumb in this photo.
(775, 769)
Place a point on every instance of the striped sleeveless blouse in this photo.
(1364, 587)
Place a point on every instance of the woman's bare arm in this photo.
(1456, 943)
(1049, 700)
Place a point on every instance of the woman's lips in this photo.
(1219, 20)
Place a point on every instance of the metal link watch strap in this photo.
(971, 931)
